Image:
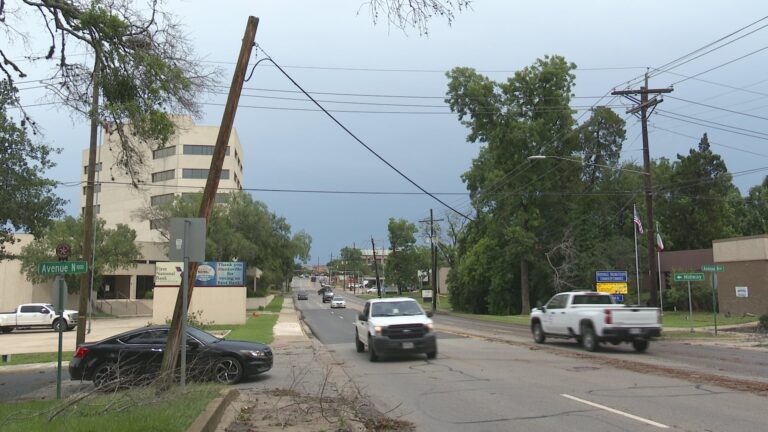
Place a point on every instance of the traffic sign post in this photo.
(60, 268)
(714, 268)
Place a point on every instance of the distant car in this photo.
(135, 356)
(371, 290)
(302, 295)
(338, 302)
(322, 290)
(312, 279)
(327, 296)
(37, 315)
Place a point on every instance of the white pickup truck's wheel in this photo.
(640, 345)
(59, 325)
(371, 351)
(538, 333)
(359, 345)
(588, 338)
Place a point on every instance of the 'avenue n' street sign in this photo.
(713, 267)
(688, 277)
(62, 267)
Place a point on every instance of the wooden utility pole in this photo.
(433, 261)
(173, 346)
(643, 105)
(376, 268)
(88, 225)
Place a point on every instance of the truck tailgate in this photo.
(629, 316)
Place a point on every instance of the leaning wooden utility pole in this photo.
(88, 225)
(642, 107)
(173, 346)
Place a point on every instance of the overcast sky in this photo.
(326, 43)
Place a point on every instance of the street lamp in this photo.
(649, 209)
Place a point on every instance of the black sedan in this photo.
(135, 357)
(302, 295)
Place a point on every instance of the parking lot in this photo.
(46, 340)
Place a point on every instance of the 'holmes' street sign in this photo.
(688, 277)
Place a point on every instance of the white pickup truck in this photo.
(37, 315)
(395, 326)
(593, 318)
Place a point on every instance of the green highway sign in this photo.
(713, 268)
(62, 267)
(688, 277)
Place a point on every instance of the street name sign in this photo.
(713, 268)
(610, 276)
(62, 267)
(688, 277)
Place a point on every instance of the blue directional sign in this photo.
(618, 298)
(610, 276)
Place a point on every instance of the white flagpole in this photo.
(658, 258)
(637, 261)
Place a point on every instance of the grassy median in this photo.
(37, 358)
(257, 328)
(140, 410)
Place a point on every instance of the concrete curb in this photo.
(31, 367)
(209, 419)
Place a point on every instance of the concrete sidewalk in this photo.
(302, 365)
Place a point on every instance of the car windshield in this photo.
(338, 299)
(202, 336)
(396, 308)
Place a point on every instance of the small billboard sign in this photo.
(610, 276)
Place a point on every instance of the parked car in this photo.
(395, 325)
(371, 290)
(327, 296)
(593, 318)
(302, 295)
(36, 315)
(135, 356)
(338, 302)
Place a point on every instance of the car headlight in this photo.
(430, 327)
(254, 353)
(377, 330)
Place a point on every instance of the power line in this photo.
(349, 132)
(722, 65)
(669, 66)
(713, 125)
(711, 142)
(718, 108)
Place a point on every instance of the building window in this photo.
(163, 176)
(203, 150)
(161, 199)
(201, 173)
(96, 188)
(164, 152)
(222, 198)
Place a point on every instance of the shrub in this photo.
(763, 323)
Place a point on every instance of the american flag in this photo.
(638, 224)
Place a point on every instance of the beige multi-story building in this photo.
(180, 167)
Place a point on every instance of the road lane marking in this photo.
(615, 411)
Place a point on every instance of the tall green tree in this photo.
(755, 215)
(28, 199)
(701, 200)
(115, 249)
(241, 229)
(527, 115)
(402, 263)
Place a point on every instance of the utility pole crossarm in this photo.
(650, 104)
(642, 90)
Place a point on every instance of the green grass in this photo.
(138, 410)
(275, 305)
(256, 329)
(37, 358)
(702, 319)
(509, 319)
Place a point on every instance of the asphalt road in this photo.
(481, 385)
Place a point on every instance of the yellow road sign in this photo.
(612, 287)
